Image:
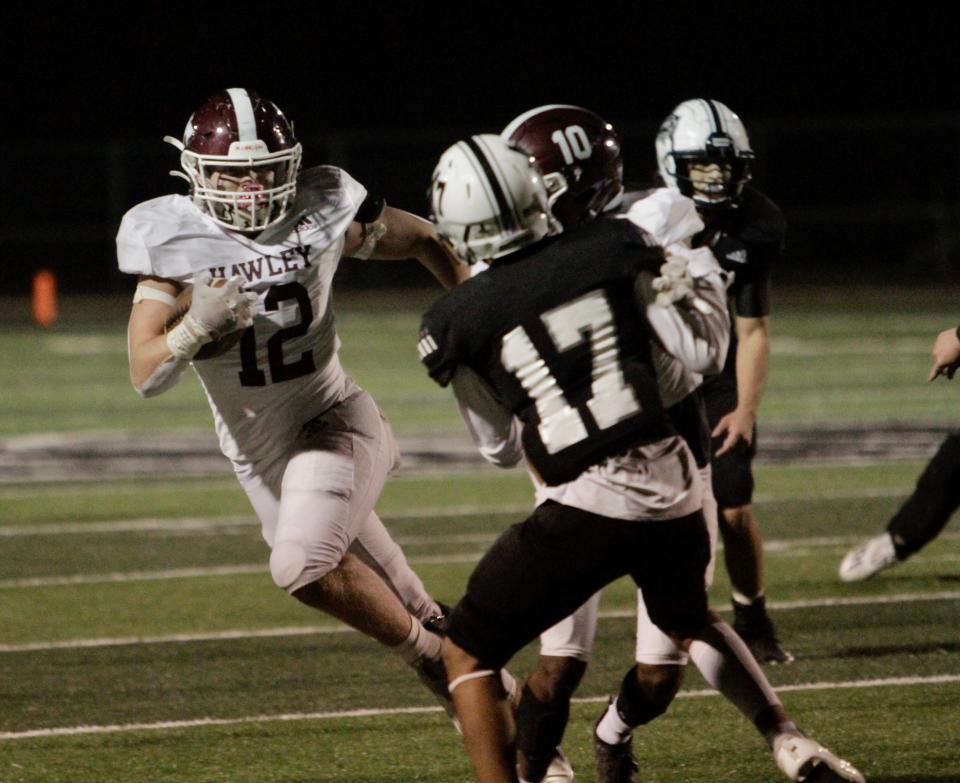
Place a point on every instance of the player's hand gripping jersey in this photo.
(285, 368)
(560, 333)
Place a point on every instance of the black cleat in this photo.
(615, 763)
(755, 627)
(438, 623)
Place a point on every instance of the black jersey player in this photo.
(704, 152)
(550, 354)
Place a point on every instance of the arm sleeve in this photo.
(494, 430)
(751, 293)
(370, 209)
(695, 330)
(437, 348)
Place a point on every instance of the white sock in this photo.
(420, 643)
(510, 686)
(745, 600)
(611, 729)
(726, 663)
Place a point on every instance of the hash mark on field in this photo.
(68, 731)
(307, 630)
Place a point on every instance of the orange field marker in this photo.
(45, 305)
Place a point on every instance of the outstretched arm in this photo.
(397, 235)
(753, 361)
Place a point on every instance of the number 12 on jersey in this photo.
(612, 400)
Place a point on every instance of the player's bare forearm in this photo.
(753, 359)
(409, 236)
(146, 342)
(753, 362)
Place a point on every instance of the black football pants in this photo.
(937, 495)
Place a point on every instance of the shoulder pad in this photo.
(327, 198)
(148, 235)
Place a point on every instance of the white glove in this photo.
(216, 308)
(675, 282)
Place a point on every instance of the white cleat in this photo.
(806, 761)
(559, 770)
(871, 557)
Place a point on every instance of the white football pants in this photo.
(317, 503)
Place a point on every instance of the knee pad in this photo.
(287, 561)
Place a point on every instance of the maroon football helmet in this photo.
(579, 155)
(241, 159)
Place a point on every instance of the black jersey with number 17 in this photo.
(557, 333)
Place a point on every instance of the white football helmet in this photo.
(488, 199)
(241, 159)
(705, 132)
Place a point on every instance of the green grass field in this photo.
(142, 639)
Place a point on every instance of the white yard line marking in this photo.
(820, 603)
(215, 523)
(798, 546)
(69, 731)
(239, 569)
(177, 638)
(134, 576)
(200, 524)
(307, 630)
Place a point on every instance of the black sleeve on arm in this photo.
(371, 208)
(436, 350)
(752, 295)
(751, 282)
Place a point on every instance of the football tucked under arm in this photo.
(209, 318)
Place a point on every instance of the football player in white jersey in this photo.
(257, 243)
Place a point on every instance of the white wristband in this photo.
(187, 337)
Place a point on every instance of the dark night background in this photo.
(854, 113)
